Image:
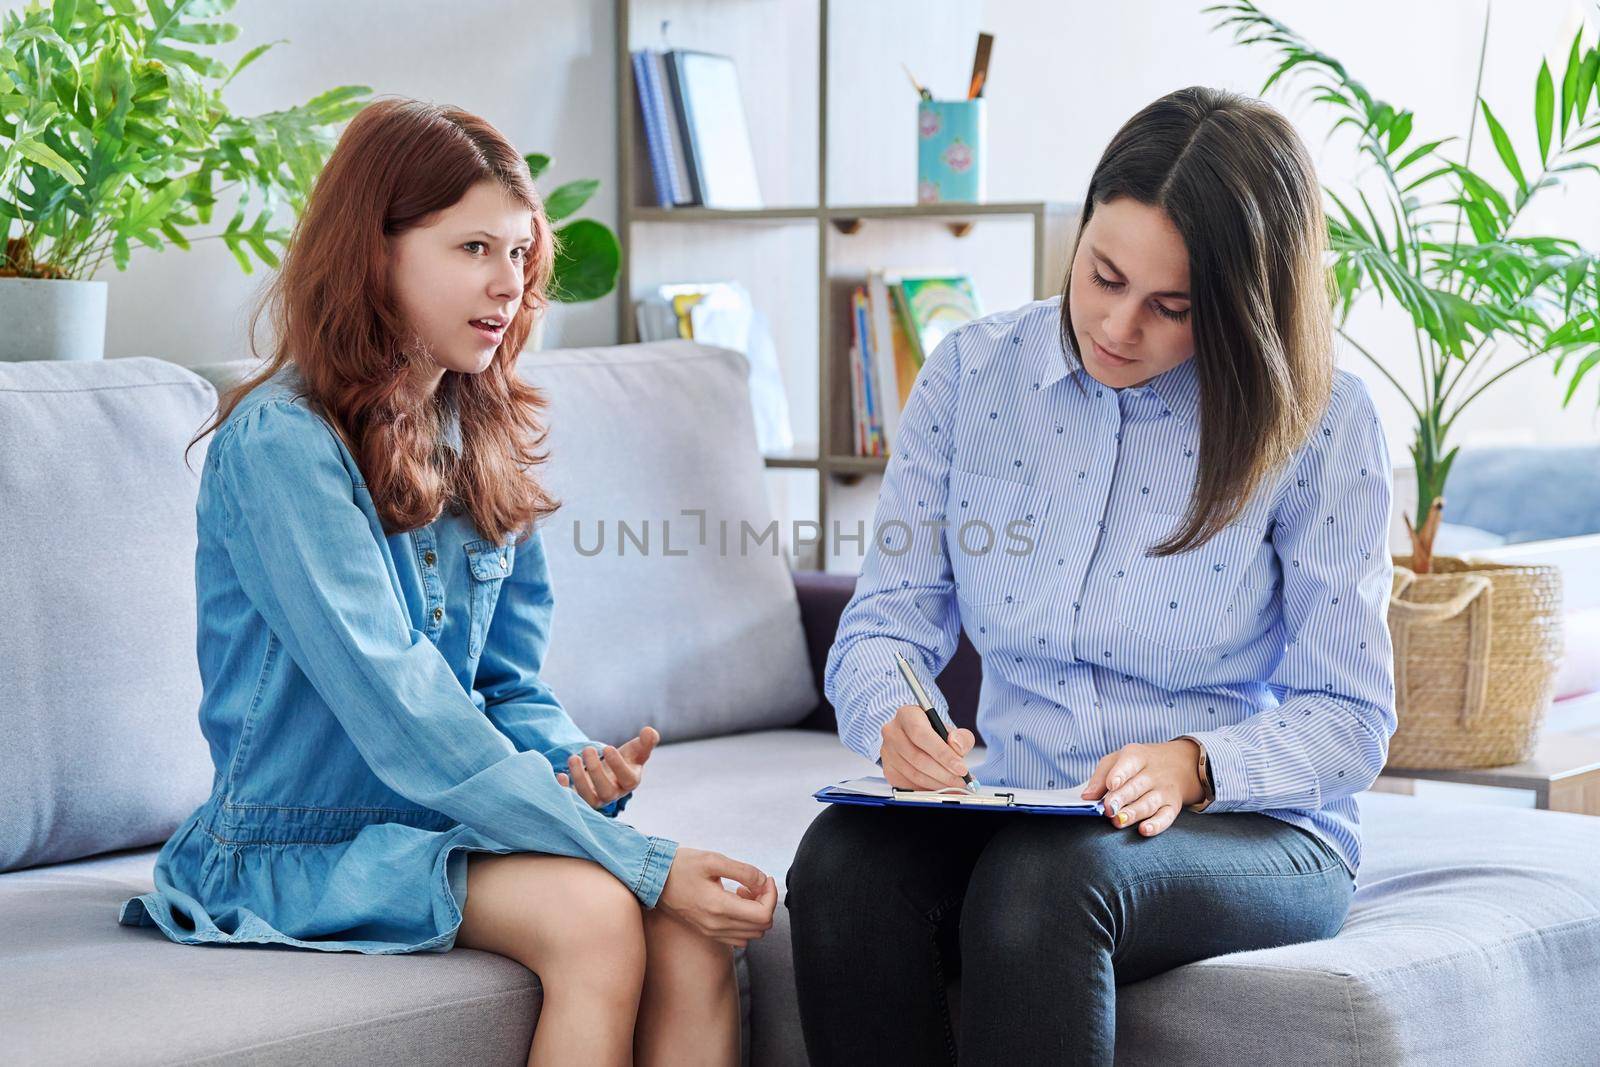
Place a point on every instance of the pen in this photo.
(980, 66)
(926, 705)
(922, 90)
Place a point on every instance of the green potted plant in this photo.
(113, 133)
(1441, 239)
(588, 257)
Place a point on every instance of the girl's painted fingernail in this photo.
(1122, 818)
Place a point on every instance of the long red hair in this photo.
(398, 163)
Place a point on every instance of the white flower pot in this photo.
(46, 319)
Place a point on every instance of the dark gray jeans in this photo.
(1041, 916)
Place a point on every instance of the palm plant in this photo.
(1467, 294)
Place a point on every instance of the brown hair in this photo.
(398, 163)
(1239, 186)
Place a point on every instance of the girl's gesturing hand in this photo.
(600, 778)
(1148, 782)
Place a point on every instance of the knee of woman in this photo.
(826, 860)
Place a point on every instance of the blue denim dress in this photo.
(373, 708)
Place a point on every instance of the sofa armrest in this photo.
(822, 601)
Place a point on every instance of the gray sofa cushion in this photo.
(98, 679)
(76, 988)
(224, 376)
(699, 644)
(1474, 938)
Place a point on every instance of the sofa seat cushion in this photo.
(1474, 937)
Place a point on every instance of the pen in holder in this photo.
(950, 150)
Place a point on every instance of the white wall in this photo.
(1065, 75)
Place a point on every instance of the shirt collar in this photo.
(1178, 388)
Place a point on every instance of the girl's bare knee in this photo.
(568, 920)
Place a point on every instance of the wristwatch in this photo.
(1205, 779)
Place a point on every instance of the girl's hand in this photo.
(914, 757)
(599, 780)
(1148, 782)
(695, 894)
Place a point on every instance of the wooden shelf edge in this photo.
(846, 214)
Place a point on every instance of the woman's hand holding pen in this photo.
(599, 780)
(914, 756)
(694, 894)
(1147, 782)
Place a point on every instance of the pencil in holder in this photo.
(950, 150)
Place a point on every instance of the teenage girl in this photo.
(392, 775)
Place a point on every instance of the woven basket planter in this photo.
(1476, 650)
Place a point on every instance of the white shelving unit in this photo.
(801, 256)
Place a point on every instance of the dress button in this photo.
(438, 613)
(429, 558)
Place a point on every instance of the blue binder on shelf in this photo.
(661, 136)
(877, 792)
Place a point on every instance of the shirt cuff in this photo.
(880, 690)
(1229, 778)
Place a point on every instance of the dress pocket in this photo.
(488, 563)
(993, 536)
(1182, 601)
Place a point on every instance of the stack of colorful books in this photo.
(896, 322)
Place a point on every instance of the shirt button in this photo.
(438, 613)
(429, 558)
(503, 563)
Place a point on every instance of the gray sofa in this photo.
(1474, 936)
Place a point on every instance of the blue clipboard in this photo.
(877, 792)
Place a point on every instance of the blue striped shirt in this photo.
(1268, 644)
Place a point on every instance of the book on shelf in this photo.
(871, 441)
(896, 321)
(696, 135)
(722, 314)
(664, 168)
(935, 305)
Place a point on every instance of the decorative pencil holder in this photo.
(950, 150)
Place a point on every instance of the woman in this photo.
(1181, 606)
(392, 775)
